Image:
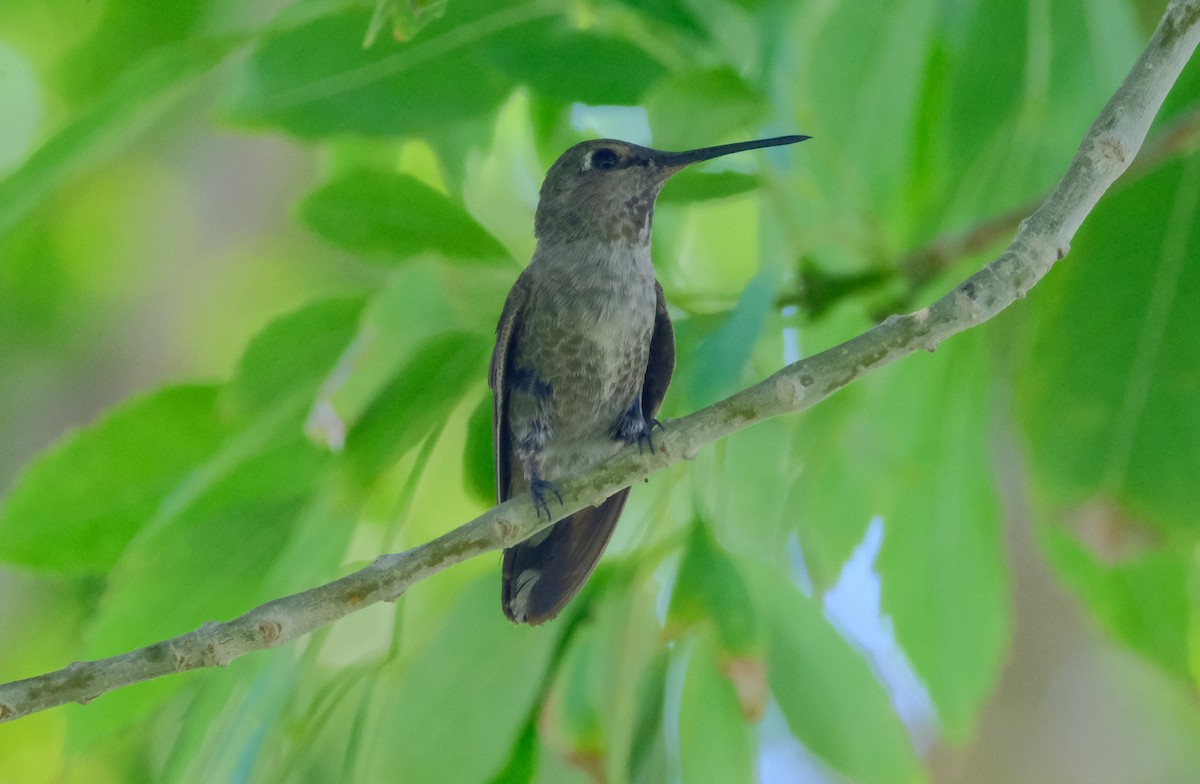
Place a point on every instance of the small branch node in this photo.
(507, 530)
(1110, 152)
(270, 631)
(788, 391)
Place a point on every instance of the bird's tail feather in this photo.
(545, 572)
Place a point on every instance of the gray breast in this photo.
(588, 337)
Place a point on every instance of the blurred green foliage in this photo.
(289, 395)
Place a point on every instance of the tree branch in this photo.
(1044, 238)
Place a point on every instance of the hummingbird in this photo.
(584, 354)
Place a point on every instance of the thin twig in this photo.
(1043, 239)
(920, 265)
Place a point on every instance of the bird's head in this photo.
(605, 189)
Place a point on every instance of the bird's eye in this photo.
(605, 158)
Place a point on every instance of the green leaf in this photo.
(728, 105)
(945, 585)
(127, 31)
(132, 101)
(1143, 602)
(607, 688)
(648, 752)
(38, 297)
(407, 17)
(232, 706)
(124, 708)
(722, 355)
(277, 687)
(423, 301)
(478, 461)
(397, 322)
(522, 761)
(674, 13)
(715, 741)
(204, 562)
(1107, 391)
(208, 561)
(826, 690)
(419, 398)
(1181, 101)
(829, 503)
(291, 355)
(20, 102)
(912, 445)
(708, 585)
(77, 505)
(746, 506)
(457, 710)
(691, 186)
(978, 124)
(577, 694)
(996, 139)
(390, 217)
(316, 79)
(316, 548)
(878, 60)
(566, 65)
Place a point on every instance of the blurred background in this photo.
(251, 258)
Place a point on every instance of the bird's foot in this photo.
(635, 428)
(647, 435)
(538, 488)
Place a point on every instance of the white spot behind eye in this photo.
(587, 161)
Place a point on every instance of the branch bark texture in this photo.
(1042, 239)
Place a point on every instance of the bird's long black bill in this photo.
(704, 153)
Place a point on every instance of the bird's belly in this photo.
(588, 404)
(595, 373)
